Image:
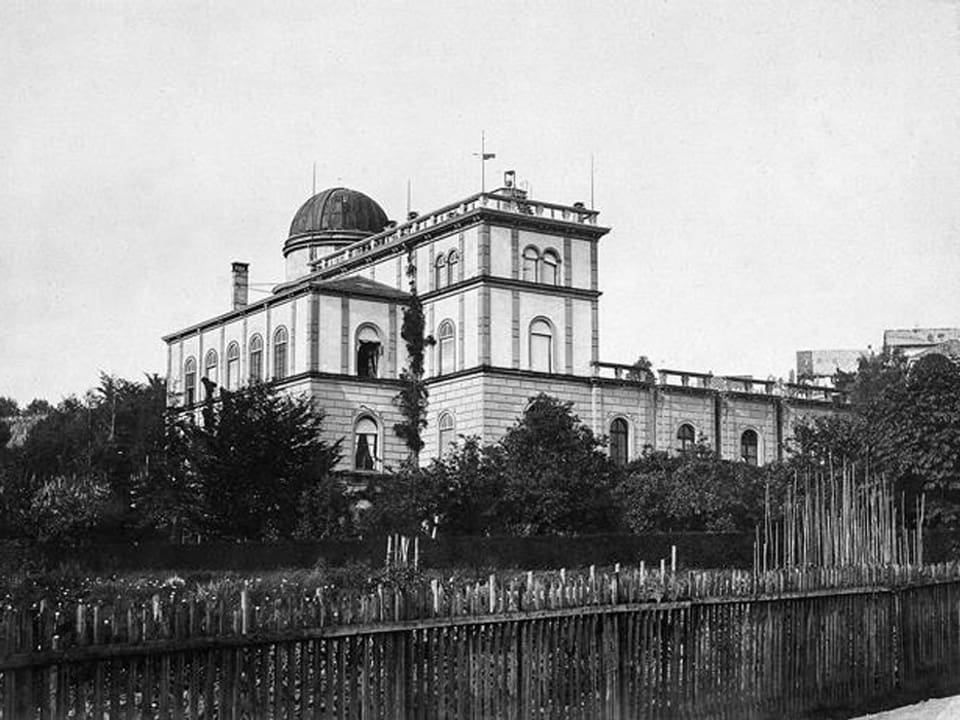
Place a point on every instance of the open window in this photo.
(366, 436)
(368, 351)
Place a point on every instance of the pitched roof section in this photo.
(360, 286)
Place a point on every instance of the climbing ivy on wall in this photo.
(412, 398)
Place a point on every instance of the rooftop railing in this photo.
(493, 201)
(724, 383)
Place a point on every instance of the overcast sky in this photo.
(778, 176)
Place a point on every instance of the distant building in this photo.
(511, 297)
(820, 366)
(921, 341)
(816, 365)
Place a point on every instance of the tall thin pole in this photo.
(591, 181)
(314, 179)
(408, 197)
(484, 156)
(483, 161)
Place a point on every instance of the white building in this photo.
(511, 295)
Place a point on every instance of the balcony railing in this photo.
(724, 383)
(501, 203)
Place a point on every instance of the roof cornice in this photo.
(500, 210)
(305, 287)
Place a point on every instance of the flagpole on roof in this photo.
(483, 161)
(484, 156)
(591, 181)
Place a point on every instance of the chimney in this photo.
(241, 282)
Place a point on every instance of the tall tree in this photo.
(413, 396)
(254, 462)
(913, 431)
(558, 479)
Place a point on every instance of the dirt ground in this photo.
(937, 709)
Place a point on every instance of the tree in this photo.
(558, 479)
(167, 494)
(8, 407)
(641, 370)
(254, 462)
(38, 406)
(325, 510)
(692, 492)
(547, 475)
(875, 374)
(405, 502)
(904, 423)
(70, 509)
(109, 433)
(913, 433)
(412, 397)
(829, 440)
(462, 493)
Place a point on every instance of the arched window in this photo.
(366, 453)
(280, 353)
(619, 436)
(687, 437)
(550, 268)
(256, 358)
(447, 432)
(368, 351)
(439, 271)
(233, 366)
(189, 381)
(453, 261)
(530, 259)
(541, 346)
(210, 366)
(749, 446)
(446, 353)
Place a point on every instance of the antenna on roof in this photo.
(408, 197)
(314, 179)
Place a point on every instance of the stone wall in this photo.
(488, 402)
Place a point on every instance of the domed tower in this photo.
(328, 221)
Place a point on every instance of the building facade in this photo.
(511, 296)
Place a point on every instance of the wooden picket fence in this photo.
(573, 645)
